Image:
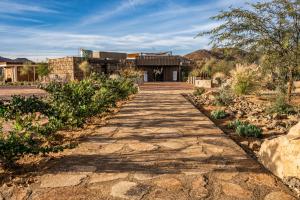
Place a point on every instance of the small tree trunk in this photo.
(290, 85)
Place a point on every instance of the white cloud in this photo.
(100, 16)
(17, 8)
(42, 44)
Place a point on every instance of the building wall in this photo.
(67, 69)
(9, 73)
(168, 73)
(62, 68)
(110, 55)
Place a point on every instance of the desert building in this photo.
(12, 71)
(163, 66)
(67, 68)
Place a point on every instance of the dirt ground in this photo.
(7, 91)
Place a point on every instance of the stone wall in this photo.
(67, 69)
(62, 68)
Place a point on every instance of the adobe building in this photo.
(11, 71)
(163, 66)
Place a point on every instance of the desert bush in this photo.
(218, 114)
(20, 105)
(245, 129)
(235, 124)
(71, 101)
(281, 106)
(219, 78)
(248, 130)
(24, 140)
(245, 79)
(225, 97)
(68, 105)
(131, 73)
(199, 91)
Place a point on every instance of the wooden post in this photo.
(33, 73)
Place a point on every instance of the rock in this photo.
(198, 189)
(234, 190)
(168, 183)
(103, 177)
(61, 180)
(111, 148)
(255, 145)
(279, 196)
(226, 176)
(262, 179)
(173, 145)
(21, 194)
(7, 191)
(240, 114)
(282, 154)
(128, 190)
(143, 176)
(294, 132)
(142, 146)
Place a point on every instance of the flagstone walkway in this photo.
(158, 147)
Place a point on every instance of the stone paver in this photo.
(61, 180)
(158, 147)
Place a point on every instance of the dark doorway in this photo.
(158, 74)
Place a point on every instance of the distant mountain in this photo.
(23, 60)
(2, 59)
(217, 53)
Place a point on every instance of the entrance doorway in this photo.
(158, 74)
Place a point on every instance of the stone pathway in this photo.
(157, 147)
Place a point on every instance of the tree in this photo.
(26, 69)
(85, 68)
(271, 29)
(43, 69)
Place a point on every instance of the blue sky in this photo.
(40, 29)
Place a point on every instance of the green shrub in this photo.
(224, 98)
(67, 105)
(199, 91)
(248, 130)
(20, 105)
(235, 124)
(245, 129)
(281, 106)
(218, 114)
(24, 140)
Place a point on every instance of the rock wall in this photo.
(282, 154)
(62, 68)
(67, 69)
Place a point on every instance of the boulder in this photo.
(282, 154)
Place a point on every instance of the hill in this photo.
(23, 60)
(2, 59)
(217, 53)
